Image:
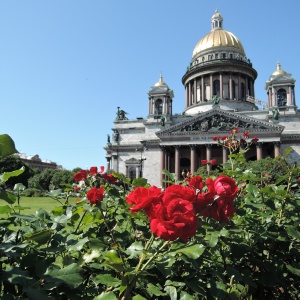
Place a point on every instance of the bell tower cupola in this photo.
(281, 90)
(160, 100)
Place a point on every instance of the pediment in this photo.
(219, 121)
(132, 161)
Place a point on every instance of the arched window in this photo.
(216, 90)
(158, 107)
(281, 97)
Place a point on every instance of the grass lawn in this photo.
(35, 203)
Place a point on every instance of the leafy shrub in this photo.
(126, 240)
(32, 192)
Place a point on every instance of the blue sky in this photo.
(66, 65)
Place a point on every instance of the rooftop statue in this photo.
(215, 99)
(121, 114)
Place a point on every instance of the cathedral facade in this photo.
(219, 96)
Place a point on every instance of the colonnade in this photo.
(232, 82)
(170, 156)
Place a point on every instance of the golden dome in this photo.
(160, 82)
(278, 71)
(218, 37)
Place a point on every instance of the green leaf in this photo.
(295, 271)
(106, 296)
(7, 196)
(88, 257)
(77, 245)
(139, 182)
(71, 275)
(40, 237)
(185, 296)
(172, 292)
(6, 175)
(171, 176)
(212, 239)
(7, 146)
(155, 290)
(107, 279)
(138, 297)
(37, 293)
(135, 249)
(5, 209)
(292, 232)
(193, 252)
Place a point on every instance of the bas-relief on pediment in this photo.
(217, 120)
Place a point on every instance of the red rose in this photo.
(144, 197)
(76, 188)
(81, 175)
(203, 161)
(220, 210)
(109, 178)
(175, 217)
(101, 169)
(205, 199)
(216, 138)
(93, 170)
(246, 134)
(179, 191)
(255, 139)
(196, 182)
(225, 187)
(213, 161)
(95, 195)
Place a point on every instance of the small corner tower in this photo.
(160, 100)
(281, 90)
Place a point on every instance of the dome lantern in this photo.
(216, 21)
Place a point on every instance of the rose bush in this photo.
(227, 236)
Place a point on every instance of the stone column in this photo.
(208, 156)
(162, 164)
(276, 149)
(190, 94)
(153, 106)
(177, 162)
(258, 151)
(221, 86)
(289, 97)
(186, 96)
(239, 88)
(195, 90)
(230, 88)
(115, 163)
(225, 154)
(193, 158)
(108, 158)
(211, 87)
(273, 97)
(202, 89)
(246, 87)
(137, 171)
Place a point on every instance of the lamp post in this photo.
(142, 159)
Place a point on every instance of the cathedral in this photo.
(219, 96)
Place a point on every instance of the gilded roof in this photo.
(218, 37)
